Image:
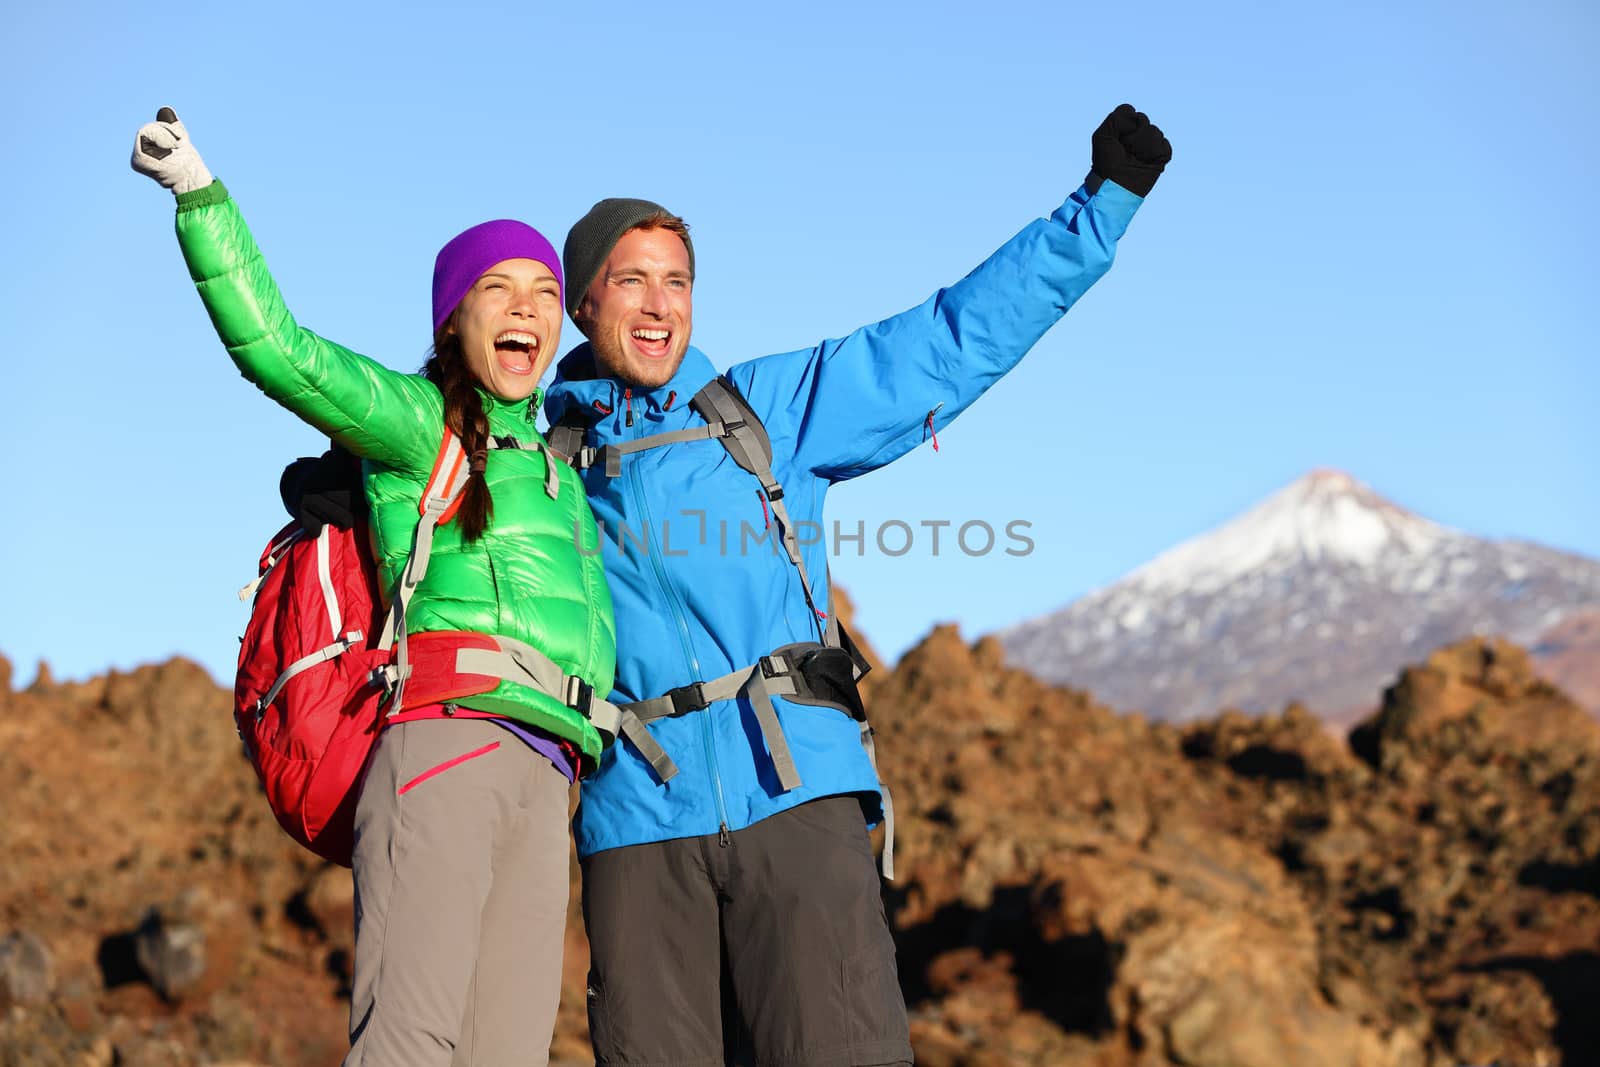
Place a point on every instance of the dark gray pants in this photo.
(771, 949)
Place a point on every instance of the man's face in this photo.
(509, 324)
(639, 310)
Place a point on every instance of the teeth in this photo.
(651, 335)
(518, 337)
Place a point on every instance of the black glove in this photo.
(1129, 150)
(326, 490)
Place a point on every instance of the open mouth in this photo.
(516, 350)
(652, 342)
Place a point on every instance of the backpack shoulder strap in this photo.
(447, 481)
(566, 438)
(721, 404)
(510, 443)
(743, 435)
(441, 497)
(612, 454)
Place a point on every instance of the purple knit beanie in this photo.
(468, 254)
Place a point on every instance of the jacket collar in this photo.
(580, 384)
(517, 409)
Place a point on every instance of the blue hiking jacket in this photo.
(699, 584)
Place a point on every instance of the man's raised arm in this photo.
(861, 401)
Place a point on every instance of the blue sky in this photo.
(1371, 252)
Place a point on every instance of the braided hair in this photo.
(463, 413)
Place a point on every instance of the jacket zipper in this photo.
(693, 662)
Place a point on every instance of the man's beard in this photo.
(613, 360)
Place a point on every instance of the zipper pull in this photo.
(722, 836)
(928, 422)
(627, 399)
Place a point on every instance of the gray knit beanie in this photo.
(592, 238)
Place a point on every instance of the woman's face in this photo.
(509, 324)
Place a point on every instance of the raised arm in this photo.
(861, 401)
(373, 411)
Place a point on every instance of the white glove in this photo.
(163, 150)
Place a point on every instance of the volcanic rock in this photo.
(27, 971)
(1076, 886)
(172, 955)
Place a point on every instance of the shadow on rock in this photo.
(118, 957)
(1572, 983)
(1563, 878)
(1067, 979)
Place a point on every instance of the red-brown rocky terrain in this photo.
(1076, 887)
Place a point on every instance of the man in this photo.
(728, 877)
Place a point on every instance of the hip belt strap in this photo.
(771, 675)
(774, 675)
(516, 661)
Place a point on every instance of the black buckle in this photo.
(584, 700)
(687, 698)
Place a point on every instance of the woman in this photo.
(460, 860)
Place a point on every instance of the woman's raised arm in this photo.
(375, 412)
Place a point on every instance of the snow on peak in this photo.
(1325, 516)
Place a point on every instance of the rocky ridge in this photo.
(1076, 887)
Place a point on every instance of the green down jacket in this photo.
(535, 575)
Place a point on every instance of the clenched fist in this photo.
(1130, 150)
(162, 149)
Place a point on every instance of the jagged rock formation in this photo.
(1318, 595)
(1076, 886)
(128, 806)
(1086, 888)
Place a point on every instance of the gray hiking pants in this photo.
(767, 947)
(461, 868)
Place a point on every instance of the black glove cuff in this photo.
(1136, 178)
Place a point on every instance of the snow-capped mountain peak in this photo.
(1319, 593)
(1325, 515)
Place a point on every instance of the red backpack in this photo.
(320, 658)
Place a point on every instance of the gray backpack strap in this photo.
(759, 684)
(519, 662)
(744, 436)
(613, 453)
(552, 477)
(567, 436)
(445, 484)
(769, 678)
(746, 440)
(885, 799)
(629, 726)
(566, 439)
